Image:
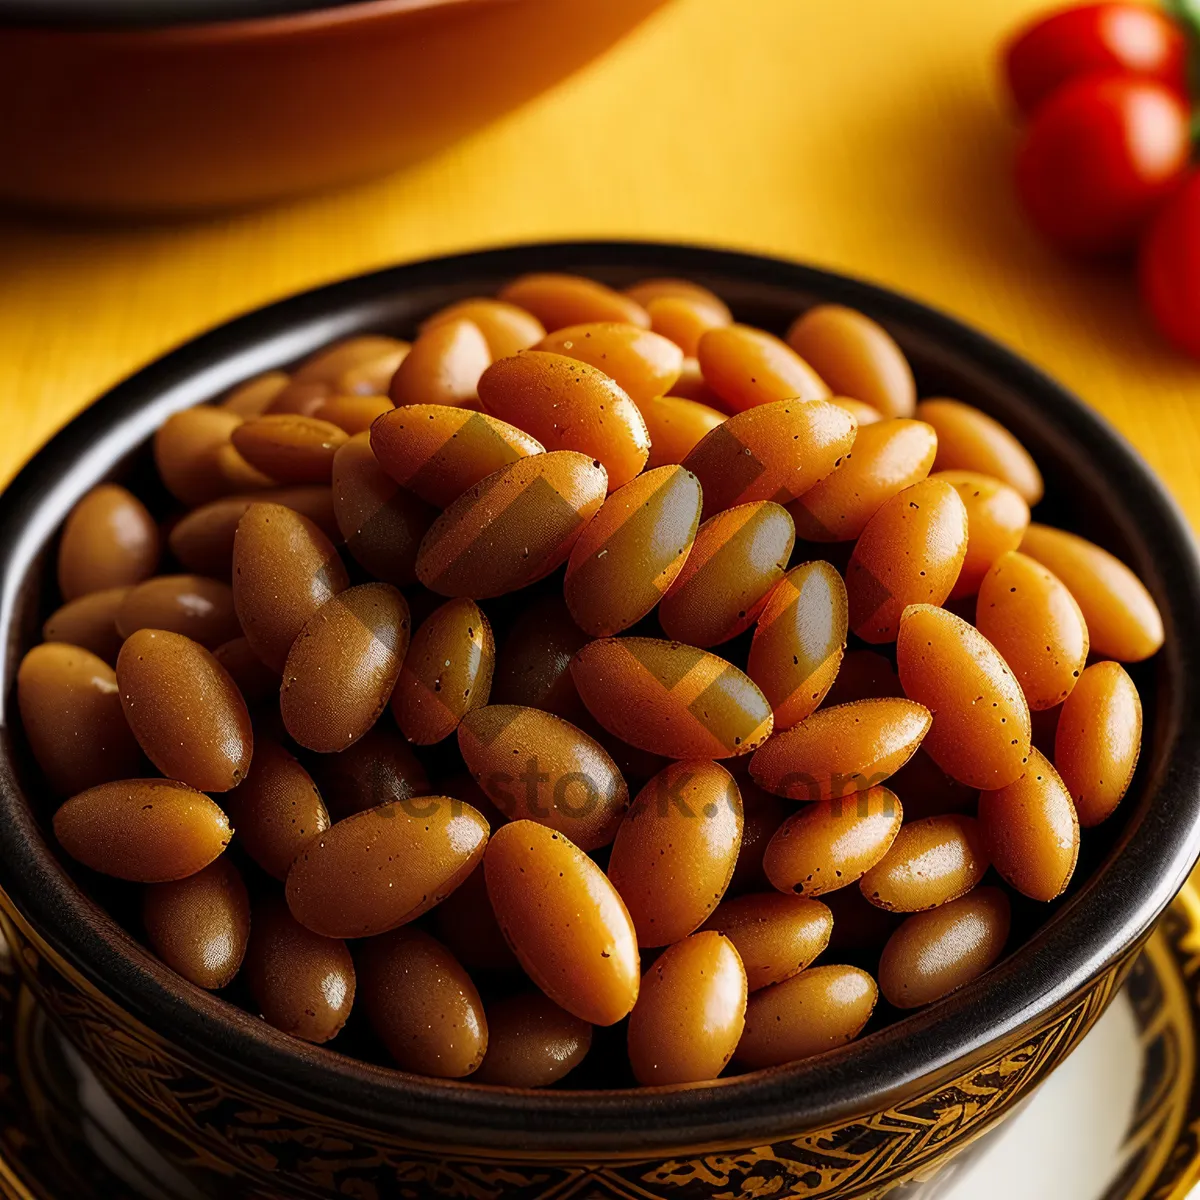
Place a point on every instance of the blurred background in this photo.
(869, 136)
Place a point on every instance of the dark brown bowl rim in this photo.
(1109, 916)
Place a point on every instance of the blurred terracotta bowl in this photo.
(255, 1115)
(145, 106)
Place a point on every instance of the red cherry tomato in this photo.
(1094, 39)
(1169, 266)
(1098, 156)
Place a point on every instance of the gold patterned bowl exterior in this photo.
(252, 1114)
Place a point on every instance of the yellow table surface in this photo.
(864, 135)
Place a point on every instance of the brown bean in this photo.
(747, 367)
(71, 713)
(689, 1013)
(856, 357)
(931, 862)
(863, 675)
(533, 665)
(143, 830)
(380, 768)
(858, 926)
(203, 540)
(353, 414)
(658, 287)
(762, 814)
(185, 710)
(255, 680)
(343, 665)
(676, 426)
(645, 364)
(863, 413)
(534, 766)
(927, 791)
(300, 398)
(561, 300)
(422, 1004)
(443, 366)
(198, 608)
(818, 1010)
(384, 867)
(777, 936)
(277, 809)
(329, 364)
(466, 923)
(933, 953)
(302, 983)
(250, 399)
(506, 328)
(833, 843)
(196, 459)
(109, 540)
(542, 885)
(284, 569)
(997, 517)
(531, 1042)
(199, 926)
(1031, 830)
(290, 448)
(675, 851)
(382, 523)
(1098, 740)
(686, 319)
(89, 623)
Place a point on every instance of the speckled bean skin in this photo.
(185, 710)
(143, 830)
(997, 517)
(531, 1042)
(539, 882)
(199, 926)
(833, 843)
(910, 552)
(946, 664)
(1122, 619)
(199, 608)
(505, 327)
(818, 1010)
(71, 712)
(203, 540)
(671, 699)
(343, 666)
(381, 523)
(422, 1004)
(512, 528)
(1026, 612)
(970, 440)
(302, 983)
(534, 766)
(675, 851)
(776, 936)
(747, 367)
(284, 569)
(676, 426)
(886, 457)
(289, 447)
(443, 366)
(568, 405)
(931, 862)
(632, 550)
(438, 452)
(935, 952)
(644, 364)
(561, 300)
(738, 558)
(90, 623)
(838, 751)
(689, 1014)
(447, 672)
(856, 357)
(1031, 830)
(799, 641)
(109, 540)
(774, 451)
(384, 867)
(277, 809)
(1098, 740)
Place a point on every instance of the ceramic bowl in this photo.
(252, 1113)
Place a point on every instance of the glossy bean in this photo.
(1098, 740)
(531, 1042)
(671, 699)
(443, 366)
(931, 862)
(199, 608)
(353, 414)
(747, 367)
(506, 328)
(686, 319)
(776, 936)
(196, 459)
(250, 399)
(561, 300)
(379, 768)
(675, 427)
(330, 363)
(533, 667)
(255, 680)
(644, 364)
(863, 413)
(109, 540)
(290, 448)
(646, 291)
(89, 622)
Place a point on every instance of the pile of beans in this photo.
(497, 688)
